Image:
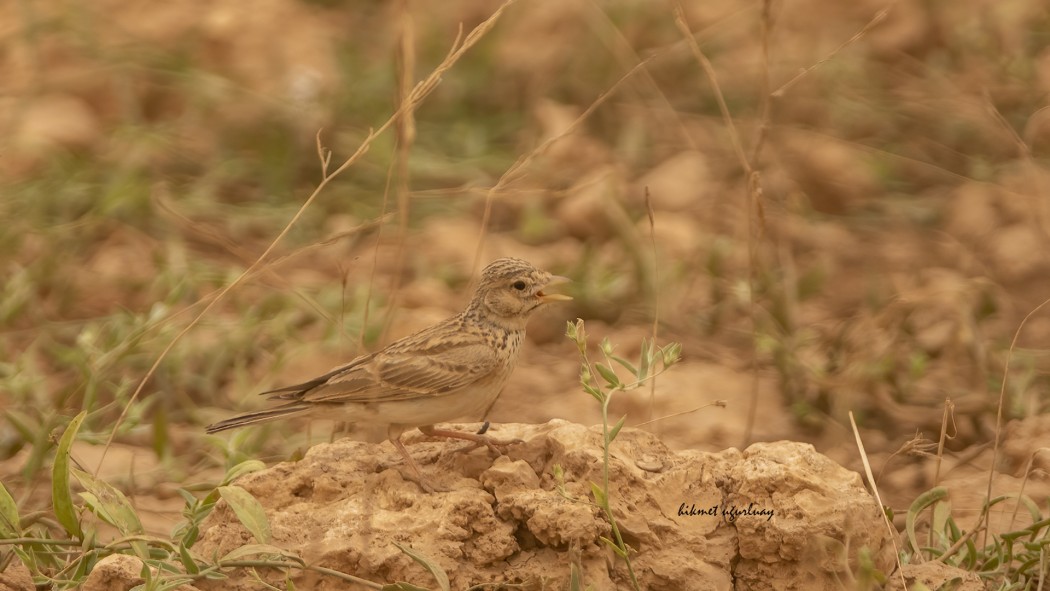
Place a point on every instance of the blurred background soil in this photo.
(896, 236)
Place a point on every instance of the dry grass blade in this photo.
(709, 71)
(655, 291)
(949, 416)
(875, 20)
(717, 403)
(999, 412)
(878, 498)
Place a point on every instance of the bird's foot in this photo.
(414, 474)
(477, 439)
(423, 482)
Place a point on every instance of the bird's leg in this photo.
(394, 434)
(478, 440)
(485, 417)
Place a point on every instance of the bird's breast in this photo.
(509, 341)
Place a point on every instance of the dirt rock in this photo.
(118, 572)
(765, 516)
(821, 507)
(936, 575)
(16, 577)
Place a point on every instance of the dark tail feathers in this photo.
(262, 416)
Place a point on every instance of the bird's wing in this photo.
(420, 366)
(296, 391)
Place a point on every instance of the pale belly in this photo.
(441, 409)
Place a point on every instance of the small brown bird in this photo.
(452, 370)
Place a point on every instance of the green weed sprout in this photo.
(645, 370)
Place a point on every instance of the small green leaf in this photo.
(930, 497)
(615, 430)
(608, 375)
(248, 510)
(575, 578)
(10, 524)
(84, 566)
(646, 362)
(586, 379)
(96, 506)
(147, 576)
(971, 554)
(595, 392)
(109, 504)
(161, 431)
(188, 561)
(258, 550)
(61, 498)
(626, 364)
(187, 496)
(942, 513)
(599, 495)
(245, 467)
(618, 550)
(186, 534)
(888, 512)
(435, 570)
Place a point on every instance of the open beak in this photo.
(554, 297)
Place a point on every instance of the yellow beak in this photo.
(554, 297)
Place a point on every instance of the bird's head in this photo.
(512, 289)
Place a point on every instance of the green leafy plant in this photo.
(1014, 560)
(652, 358)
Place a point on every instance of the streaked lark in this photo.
(452, 370)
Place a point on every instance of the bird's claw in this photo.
(492, 444)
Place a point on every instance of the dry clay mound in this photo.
(774, 516)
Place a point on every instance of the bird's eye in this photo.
(518, 285)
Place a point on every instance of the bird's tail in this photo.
(261, 416)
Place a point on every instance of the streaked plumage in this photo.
(452, 370)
